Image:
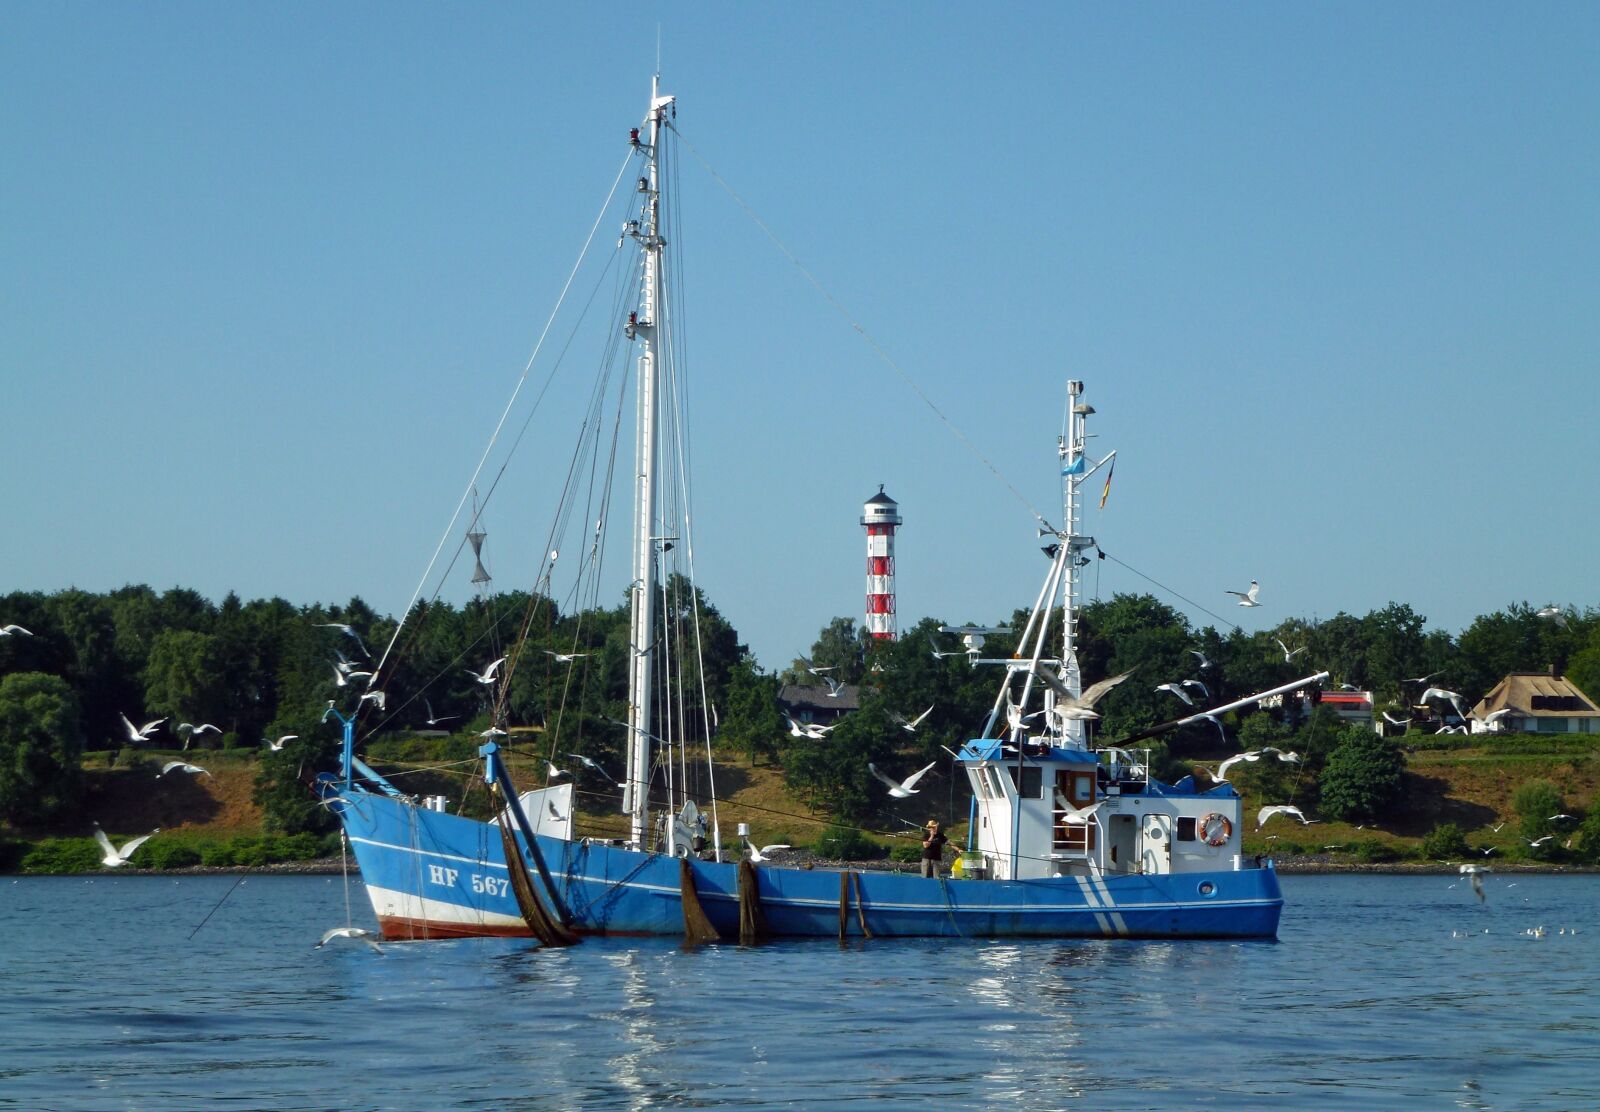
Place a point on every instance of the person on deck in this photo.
(932, 848)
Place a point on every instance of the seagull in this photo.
(1247, 598)
(834, 686)
(1079, 706)
(277, 746)
(901, 789)
(1204, 663)
(180, 766)
(554, 773)
(348, 632)
(1424, 679)
(487, 675)
(1539, 841)
(434, 719)
(1221, 775)
(1495, 716)
(805, 663)
(590, 763)
(1076, 816)
(759, 855)
(1561, 817)
(377, 697)
(194, 731)
(114, 858)
(1497, 828)
(1288, 653)
(1015, 719)
(940, 654)
(354, 674)
(1554, 614)
(561, 658)
(911, 726)
(354, 934)
(1217, 722)
(1441, 693)
(1281, 809)
(339, 679)
(1204, 690)
(493, 731)
(7, 631)
(812, 730)
(1176, 689)
(1393, 721)
(550, 806)
(140, 733)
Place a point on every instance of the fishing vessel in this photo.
(1067, 838)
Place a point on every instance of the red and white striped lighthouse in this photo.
(881, 516)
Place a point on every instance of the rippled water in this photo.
(1367, 1001)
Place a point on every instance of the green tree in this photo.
(41, 744)
(184, 678)
(1362, 777)
(1445, 842)
(1588, 843)
(753, 722)
(1535, 801)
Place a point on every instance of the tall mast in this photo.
(643, 325)
(1074, 469)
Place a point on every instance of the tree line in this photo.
(265, 668)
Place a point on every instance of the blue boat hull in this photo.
(435, 875)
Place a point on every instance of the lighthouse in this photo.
(881, 517)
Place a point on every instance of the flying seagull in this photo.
(348, 632)
(1288, 653)
(1393, 721)
(434, 719)
(1440, 693)
(900, 720)
(1554, 614)
(1204, 690)
(493, 731)
(1221, 775)
(138, 734)
(1176, 689)
(1424, 679)
(1076, 816)
(561, 658)
(1204, 663)
(7, 631)
(1247, 598)
(1280, 809)
(354, 934)
(192, 731)
(835, 688)
(940, 654)
(115, 858)
(181, 766)
(590, 763)
(759, 855)
(487, 675)
(901, 789)
(554, 773)
(277, 746)
(1217, 722)
(377, 697)
(1079, 706)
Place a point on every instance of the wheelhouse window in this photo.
(1032, 786)
(1186, 829)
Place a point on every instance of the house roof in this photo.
(796, 697)
(1519, 690)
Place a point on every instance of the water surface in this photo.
(1367, 1001)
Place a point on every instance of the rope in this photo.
(1163, 587)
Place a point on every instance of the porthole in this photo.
(1207, 889)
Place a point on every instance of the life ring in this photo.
(1214, 829)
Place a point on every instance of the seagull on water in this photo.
(901, 789)
(354, 934)
(114, 857)
(1281, 809)
(181, 766)
(1077, 706)
(1288, 653)
(348, 632)
(277, 746)
(1247, 598)
(7, 631)
(487, 675)
(1176, 689)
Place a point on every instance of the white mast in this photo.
(1075, 468)
(644, 325)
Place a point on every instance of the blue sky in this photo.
(268, 273)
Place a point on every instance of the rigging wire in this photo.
(521, 380)
(1169, 590)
